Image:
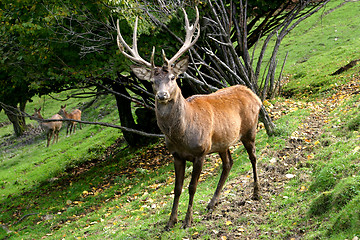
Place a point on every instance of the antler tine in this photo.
(188, 43)
(135, 57)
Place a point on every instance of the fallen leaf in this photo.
(195, 233)
(289, 176)
(228, 223)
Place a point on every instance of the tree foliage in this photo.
(52, 46)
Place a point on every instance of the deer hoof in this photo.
(170, 225)
(212, 204)
(256, 197)
(186, 225)
(210, 207)
(187, 221)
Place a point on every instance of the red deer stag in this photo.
(51, 128)
(76, 115)
(200, 124)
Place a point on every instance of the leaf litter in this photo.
(248, 215)
(236, 210)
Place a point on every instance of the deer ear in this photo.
(142, 73)
(181, 66)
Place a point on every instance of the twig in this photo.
(23, 217)
(24, 114)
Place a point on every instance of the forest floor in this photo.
(236, 198)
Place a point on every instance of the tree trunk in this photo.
(265, 118)
(145, 118)
(125, 114)
(16, 119)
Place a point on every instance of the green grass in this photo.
(26, 166)
(318, 47)
(76, 189)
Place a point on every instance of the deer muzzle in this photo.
(163, 96)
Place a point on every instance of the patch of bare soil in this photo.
(236, 202)
(236, 208)
(25, 139)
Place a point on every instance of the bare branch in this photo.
(24, 114)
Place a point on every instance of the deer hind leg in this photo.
(249, 145)
(74, 127)
(71, 128)
(179, 182)
(227, 163)
(55, 134)
(197, 167)
(67, 128)
(50, 133)
(56, 137)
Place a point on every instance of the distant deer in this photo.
(51, 128)
(200, 124)
(76, 115)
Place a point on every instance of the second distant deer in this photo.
(51, 128)
(75, 114)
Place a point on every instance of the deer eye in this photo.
(172, 78)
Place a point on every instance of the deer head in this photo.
(163, 78)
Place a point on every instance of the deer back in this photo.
(47, 126)
(58, 124)
(208, 123)
(76, 114)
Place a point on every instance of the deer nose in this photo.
(162, 96)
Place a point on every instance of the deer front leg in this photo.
(197, 167)
(227, 163)
(179, 181)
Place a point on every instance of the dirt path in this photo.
(236, 202)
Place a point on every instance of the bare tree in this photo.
(225, 55)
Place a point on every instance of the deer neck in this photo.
(66, 114)
(170, 115)
(43, 125)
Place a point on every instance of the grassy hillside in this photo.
(90, 185)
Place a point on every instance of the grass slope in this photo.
(90, 185)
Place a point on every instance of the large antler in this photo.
(134, 54)
(133, 51)
(188, 43)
